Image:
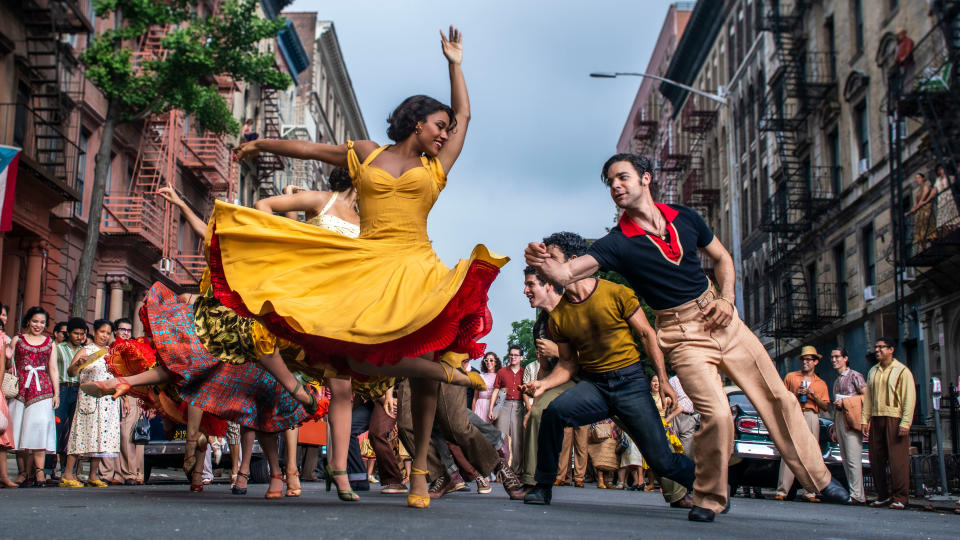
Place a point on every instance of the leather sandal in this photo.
(237, 490)
(270, 494)
(293, 491)
(346, 495)
(414, 500)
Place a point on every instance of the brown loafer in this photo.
(519, 494)
(578, 483)
(685, 502)
(560, 483)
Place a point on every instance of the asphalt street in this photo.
(170, 511)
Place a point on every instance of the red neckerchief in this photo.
(671, 248)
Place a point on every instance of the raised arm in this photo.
(556, 272)
(303, 201)
(197, 224)
(328, 153)
(459, 100)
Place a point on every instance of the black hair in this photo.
(100, 323)
(340, 180)
(640, 163)
(403, 121)
(126, 320)
(76, 322)
(532, 271)
(35, 310)
(570, 244)
(496, 363)
(60, 325)
(843, 351)
(887, 341)
(513, 346)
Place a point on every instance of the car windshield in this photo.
(739, 398)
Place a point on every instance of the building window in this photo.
(869, 257)
(757, 202)
(831, 32)
(840, 274)
(857, 8)
(861, 123)
(833, 147)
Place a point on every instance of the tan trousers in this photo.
(851, 448)
(696, 355)
(129, 466)
(575, 440)
(786, 475)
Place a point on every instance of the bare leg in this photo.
(94, 470)
(234, 460)
(4, 479)
(69, 467)
(274, 364)
(268, 442)
(247, 437)
(23, 467)
(339, 415)
(38, 457)
(290, 437)
(194, 415)
(423, 405)
(420, 367)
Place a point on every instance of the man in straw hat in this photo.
(814, 397)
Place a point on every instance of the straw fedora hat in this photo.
(810, 350)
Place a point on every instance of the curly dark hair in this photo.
(570, 244)
(340, 180)
(640, 163)
(496, 363)
(35, 310)
(403, 120)
(100, 323)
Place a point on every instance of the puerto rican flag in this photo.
(9, 158)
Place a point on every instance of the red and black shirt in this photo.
(666, 272)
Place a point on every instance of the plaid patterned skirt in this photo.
(241, 393)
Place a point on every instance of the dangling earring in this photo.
(419, 128)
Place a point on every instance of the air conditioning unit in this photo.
(909, 274)
(863, 166)
(869, 293)
(166, 265)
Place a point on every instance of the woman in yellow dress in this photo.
(383, 304)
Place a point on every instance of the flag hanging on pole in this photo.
(9, 159)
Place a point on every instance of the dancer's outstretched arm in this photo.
(328, 153)
(198, 225)
(302, 201)
(453, 49)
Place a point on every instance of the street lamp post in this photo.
(734, 194)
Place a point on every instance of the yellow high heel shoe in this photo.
(414, 500)
(474, 379)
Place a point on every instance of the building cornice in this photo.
(329, 47)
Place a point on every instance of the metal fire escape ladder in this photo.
(57, 88)
(268, 163)
(799, 306)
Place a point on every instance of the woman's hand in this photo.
(452, 45)
(169, 194)
(247, 150)
(56, 402)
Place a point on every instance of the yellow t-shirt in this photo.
(597, 327)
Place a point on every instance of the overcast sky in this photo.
(540, 128)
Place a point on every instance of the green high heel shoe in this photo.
(311, 407)
(346, 495)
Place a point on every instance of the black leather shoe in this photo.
(698, 513)
(835, 493)
(541, 494)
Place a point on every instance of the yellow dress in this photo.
(377, 298)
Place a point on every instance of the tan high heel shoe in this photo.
(270, 494)
(293, 491)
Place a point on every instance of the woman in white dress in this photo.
(95, 432)
(947, 218)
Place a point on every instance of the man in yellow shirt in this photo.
(592, 326)
(887, 415)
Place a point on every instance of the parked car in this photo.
(756, 460)
(165, 450)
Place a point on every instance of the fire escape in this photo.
(56, 83)
(644, 137)
(267, 163)
(166, 142)
(674, 161)
(697, 121)
(926, 91)
(803, 192)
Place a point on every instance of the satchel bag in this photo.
(600, 432)
(11, 385)
(141, 432)
(852, 408)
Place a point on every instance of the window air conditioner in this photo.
(165, 265)
(909, 274)
(863, 166)
(869, 293)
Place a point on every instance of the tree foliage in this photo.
(196, 49)
(521, 333)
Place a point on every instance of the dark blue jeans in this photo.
(624, 393)
(64, 414)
